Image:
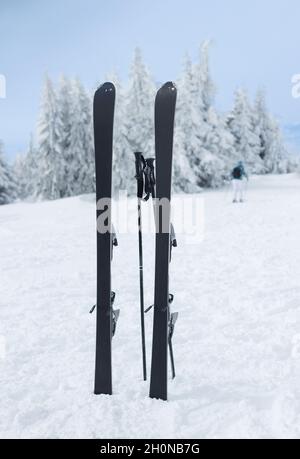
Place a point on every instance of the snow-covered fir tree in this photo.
(186, 140)
(64, 113)
(206, 89)
(80, 154)
(140, 96)
(241, 122)
(262, 126)
(220, 143)
(277, 160)
(65, 147)
(217, 139)
(88, 176)
(26, 171)
(123, 162)
(31, 168)
(213, 143)
(8, 186)
(19, 172)
(272, 151)
(184, 178)
(51, 179)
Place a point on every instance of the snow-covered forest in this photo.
(59, 161)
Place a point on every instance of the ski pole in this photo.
(140, 164)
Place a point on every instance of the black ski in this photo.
(165, 105)
(104, 103)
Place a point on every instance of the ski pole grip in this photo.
(149, 178)
(138, 164)
(139, 168)
(150, 163)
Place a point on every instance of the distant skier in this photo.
(238, 175)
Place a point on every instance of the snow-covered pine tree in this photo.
(26, 171)
(123, 164)
(19, 167)
(51, 180)
(184, 179)
(247, 140)
(139, 123)
(262, 126)
(80, 158)
(8, 186)
(64, 113)
(31, 168)
(206, 89)
(88, 170)
(211, 163)
(273, 152)
(220, 143)
(277, 160)
(186, 140)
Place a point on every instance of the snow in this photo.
(237, 342)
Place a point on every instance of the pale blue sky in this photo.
(256, 44)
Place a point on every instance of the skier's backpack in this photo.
(237, 173)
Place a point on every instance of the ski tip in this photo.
(168, 90)
(170, 86)
(107, 87)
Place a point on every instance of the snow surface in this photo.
(237, 342)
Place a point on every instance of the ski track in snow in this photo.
(237, 341)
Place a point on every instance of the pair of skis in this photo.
(163, 324)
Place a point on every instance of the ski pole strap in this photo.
(145, 176)
(140, 165)
(150, 182)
